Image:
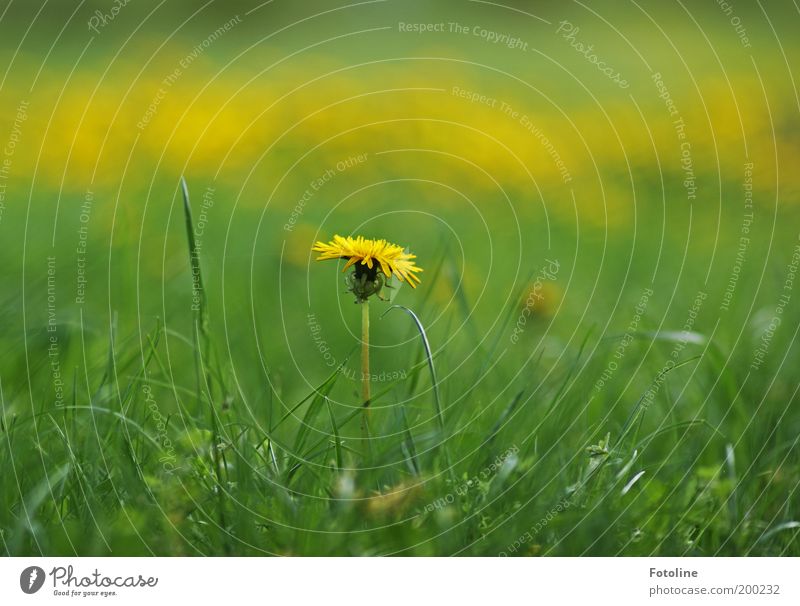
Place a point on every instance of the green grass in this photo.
(204, 398)
(166, 445)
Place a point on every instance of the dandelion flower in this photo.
(374, 260)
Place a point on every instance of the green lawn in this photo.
(615, 353)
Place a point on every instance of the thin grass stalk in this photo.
(203, 355)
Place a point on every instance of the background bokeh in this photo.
(579, 235)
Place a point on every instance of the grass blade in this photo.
(429, 357)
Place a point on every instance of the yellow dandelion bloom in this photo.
(390, 258)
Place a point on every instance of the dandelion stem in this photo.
(365, 376)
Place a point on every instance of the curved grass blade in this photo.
(792, 525)
(429, 357)
(434, 381)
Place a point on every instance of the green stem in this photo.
(365, 376)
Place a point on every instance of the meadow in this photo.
(610, 239)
